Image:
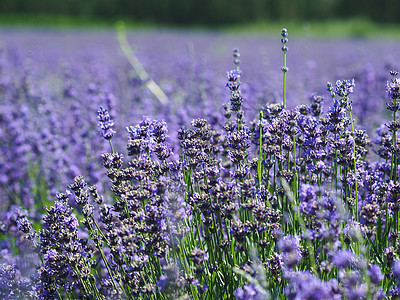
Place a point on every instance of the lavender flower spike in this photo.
(105, 123)
(393, 88)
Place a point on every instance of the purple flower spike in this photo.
(375, 274)
(393, 88)
(343, 258)
(233, 75)
(396, 270)
(105, 123)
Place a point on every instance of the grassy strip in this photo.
(352, 28)
(63, 22)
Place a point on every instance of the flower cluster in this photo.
(233, 84)
(105, 123)
(290, 204)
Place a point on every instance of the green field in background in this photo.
(357, 28)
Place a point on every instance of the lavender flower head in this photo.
(343, 258)
(24, 225)
(233, 84)
(233, 76)
(396, 270)
(290, 247)
(284, 40)
(288, 244)
(250, 292)
(105, 123)
(344, 88)
(14, 286)
(158, 129)
(375, 274)
(308, 199)
(236, 56)
(304, 285)
(393, 88)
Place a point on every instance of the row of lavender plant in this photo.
(45, 140)
(284, 206)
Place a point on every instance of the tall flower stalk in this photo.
(106, 125)
(284, 69)
(343, 89)
(393, 91)
(233, 84)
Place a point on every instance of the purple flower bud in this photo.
(233, 75)
(344, 87)
(343, 258)
(24, 225)
(375, 274)
(393, 88)
(396, 270)
(105, 123)
(249, 291)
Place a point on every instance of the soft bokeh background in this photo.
(322, 17)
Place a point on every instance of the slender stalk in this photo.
(259, 166)
(76, 271)
(284, 40)
(393, 163)
(355, 167)
(284, 80)
(295, 167)
(111, 146)
(150, 84)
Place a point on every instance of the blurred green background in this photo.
(357, 17)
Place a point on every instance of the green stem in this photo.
(393, 169)
(76, 271)
(284, 80)
(99, 247)
(59, 295)
(355, 166)
(150, 84)
(259, 166)
(111, 145)
(295, 167)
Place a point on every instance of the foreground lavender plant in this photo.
(288, 205)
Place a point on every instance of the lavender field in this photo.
(198, 165)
